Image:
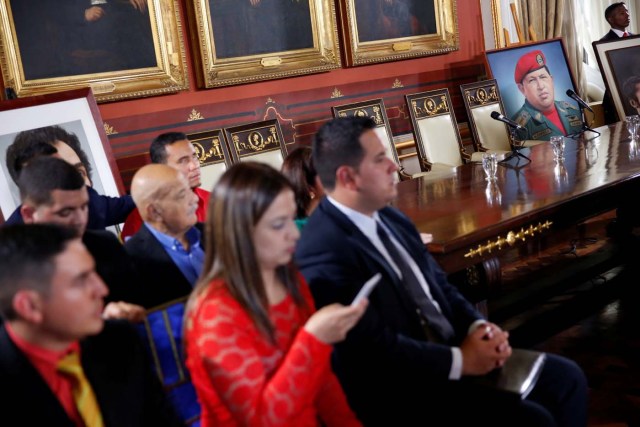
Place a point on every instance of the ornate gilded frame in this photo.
(444, 39)
(169, 74)
(213, 154)
(257, 141)
(213, 70)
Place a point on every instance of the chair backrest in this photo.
(435, 129)
(161, 334)
(375, 109)
(257, 141)
(480, 99)
(213, 154)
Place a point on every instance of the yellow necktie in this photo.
(82, 392)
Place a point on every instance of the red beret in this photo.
(527, 63)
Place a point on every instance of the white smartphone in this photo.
(366, 289)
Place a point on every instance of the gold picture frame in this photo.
(372, 32)
(257, 141)
(123, 52)
(244, 42)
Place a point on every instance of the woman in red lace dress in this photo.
(257, 350)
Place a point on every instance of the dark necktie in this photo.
(436, 322)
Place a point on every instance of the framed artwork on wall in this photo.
(532, 79)
(121, 49)
(243, 41)
(382, 30)
(76, 112)
(619, 62)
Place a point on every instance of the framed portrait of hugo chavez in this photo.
(76, 113)
(120, 48)
(388, 30)
(242, 41)
(532, 79)
(619, 62)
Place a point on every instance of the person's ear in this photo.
(634, 103)
(28, 213)
(346, 177)
(154, 213)
(520, 88)
(28, 304)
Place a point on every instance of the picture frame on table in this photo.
(619, 63)
(244, 41)
(75, 111)
(379, 30)
(501, 64)
(121, 49)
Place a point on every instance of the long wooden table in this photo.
(474, 222)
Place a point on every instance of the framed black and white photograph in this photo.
(121, 49)
(74, 111)
(619, 62)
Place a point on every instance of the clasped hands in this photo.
(485, 349)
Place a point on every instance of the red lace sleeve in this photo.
(259, 383)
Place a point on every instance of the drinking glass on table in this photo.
(490, 166)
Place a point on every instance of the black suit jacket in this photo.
(113, 265)
(388, 347)
(162, 281)
(118, 369)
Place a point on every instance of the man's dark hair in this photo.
(21, 151)
(629, 88)
(611, 8)
(337, 143)
(157, 150)
(42, 175)
(31, 143)
(27, 255)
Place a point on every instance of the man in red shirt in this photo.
(51, 299)
(541, 114)
(173, 149)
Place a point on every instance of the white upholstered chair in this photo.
(436, 133)
(213, 154)
(480, 100)
(257, 141)
(375, 109)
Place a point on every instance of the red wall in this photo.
(301, 104)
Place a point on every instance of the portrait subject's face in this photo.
(537, 88)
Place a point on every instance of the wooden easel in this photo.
(507, 39)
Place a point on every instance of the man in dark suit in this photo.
(53, 191)
(51, 299)
(166, 249)
(617, 15)
(410, 357)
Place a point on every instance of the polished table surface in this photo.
(470, 219)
